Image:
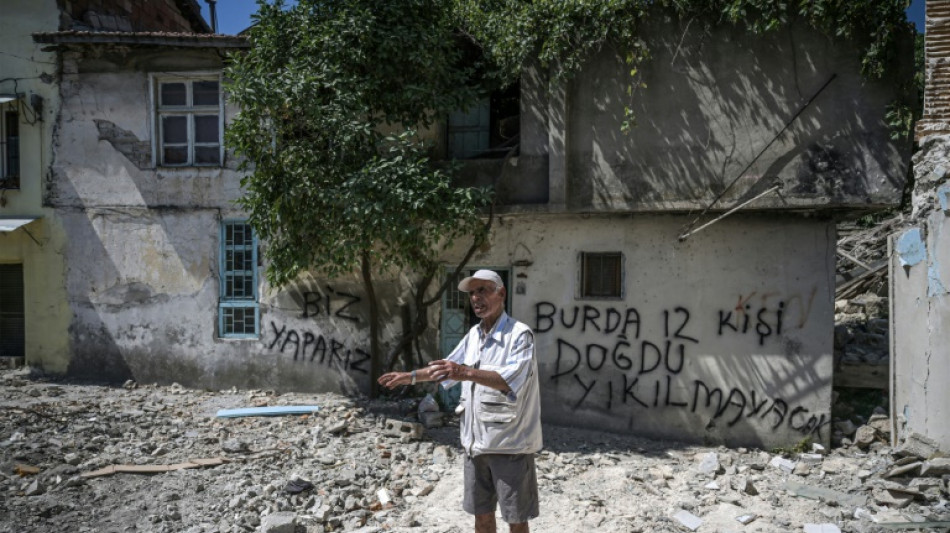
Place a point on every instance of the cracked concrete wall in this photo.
(144, 243)
(920, 302)
(724, 338)
(713, 100)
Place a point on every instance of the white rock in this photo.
(688, 519)
(746, 518)
(821, 528)
(709, 464)
(283, 522)
(783, 464)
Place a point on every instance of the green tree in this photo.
(338, 179)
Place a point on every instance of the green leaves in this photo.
(328, 95)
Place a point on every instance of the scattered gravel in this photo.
(367, 466)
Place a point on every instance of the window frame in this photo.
(582, 275)
(8, 180)
(189, 110)
(226, 301)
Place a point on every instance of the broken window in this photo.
(239, 312)
(9, 146)
(189, 121)
(601, 275)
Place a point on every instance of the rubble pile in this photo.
(861, 303)
(156, 459)
(862, 330)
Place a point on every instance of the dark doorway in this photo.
(12, 322)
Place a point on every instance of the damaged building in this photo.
(648, 319)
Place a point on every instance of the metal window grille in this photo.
(189, 122)
(239, 311)
(602, 275)
(10, 147)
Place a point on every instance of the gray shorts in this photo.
(506, 479)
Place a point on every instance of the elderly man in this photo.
(501, 417)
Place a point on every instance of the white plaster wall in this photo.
(143, 249)
(144, 288)
(106, 177)
(921, 336)
(713, 109)
(769, 379)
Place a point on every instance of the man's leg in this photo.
(519, 528)
(485, 523)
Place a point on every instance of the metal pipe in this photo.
(773, 188)
(214, 15)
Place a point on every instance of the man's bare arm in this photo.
(445, 369)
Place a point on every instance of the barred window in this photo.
(9, 146)
(601, 275)
(239, 311)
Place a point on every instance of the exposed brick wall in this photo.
(132, 15)
(936, 116)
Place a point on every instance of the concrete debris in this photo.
(783, 464)
(746, 518)
(824, 494)
(936, 467)
(405, 430)
(282, 522)
(917, 445)
(374, 468)
(865, 436)
(688, 519)
(709, 464)
(821, 528)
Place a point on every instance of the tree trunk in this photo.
(376, 358)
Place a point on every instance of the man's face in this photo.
(487, 302)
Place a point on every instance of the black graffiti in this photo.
(746, 406)
(610, 321)
(316, 348)
(678, 334)
(315, 303)
(594, 356)
(764, 323)
(732, 405)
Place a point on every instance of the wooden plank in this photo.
(154, 469)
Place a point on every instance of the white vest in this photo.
(493, 422)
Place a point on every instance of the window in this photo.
(188, 120)
(9, 147)
(469, 131)
(238, 312)
(601, 275)
(487, 129)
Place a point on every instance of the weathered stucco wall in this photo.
(920, 302)
(143, 248)
(725, 338)
(714, 99)
(30, 72)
